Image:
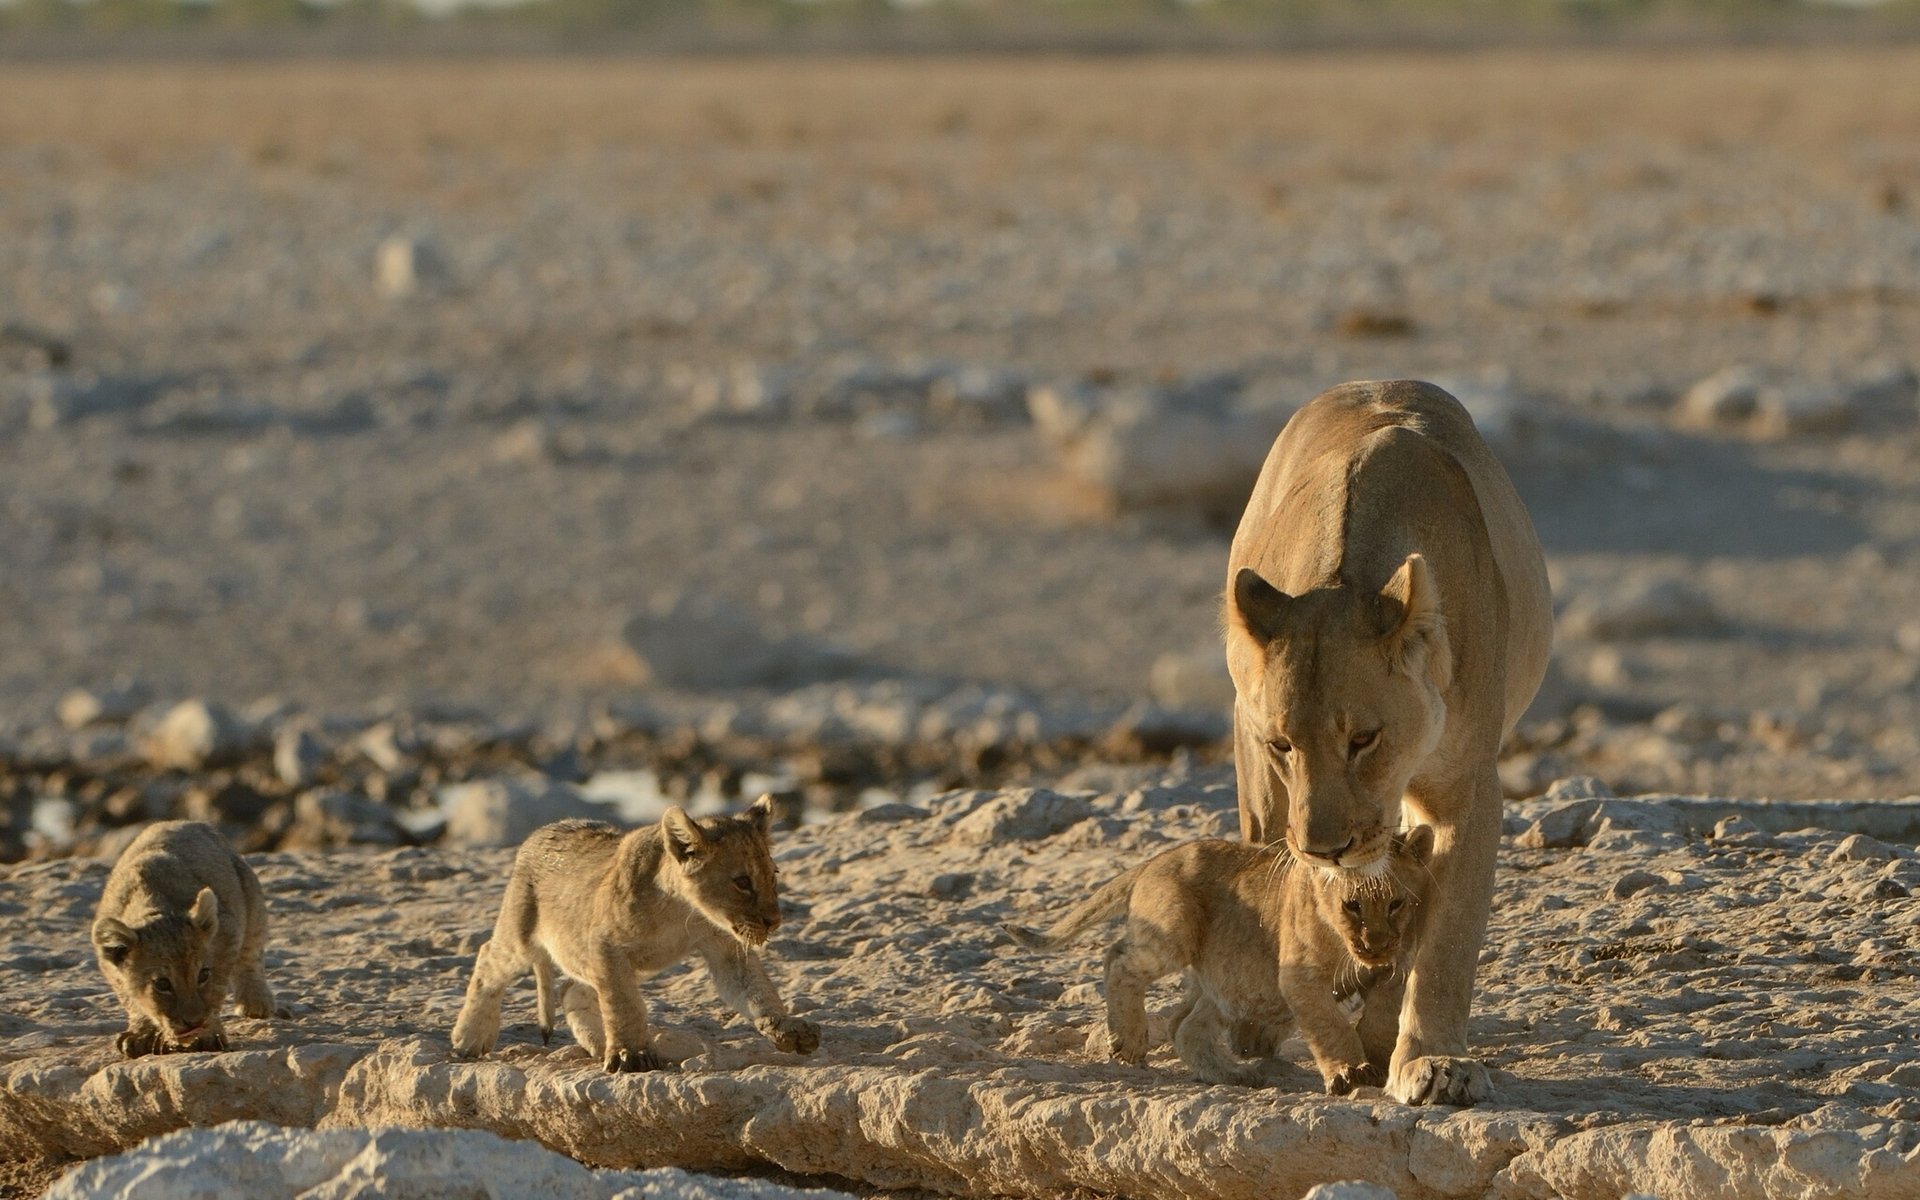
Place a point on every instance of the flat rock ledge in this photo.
(1731, 1026)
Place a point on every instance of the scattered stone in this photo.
(978, 395)
(951, 885)
(385, 747)
(1858, 847)
(252, 1160)
(404, 265)
(1728, 396)
(298, 754)
(1196, 679)
(1644, 606)
(1024, 815)
(234, 802)
(114, 705)
(1633, 883)
(1350, 1189)
(1367, 322)
(703, 643)
(23, 347)
(194, 735)
(502, 812)
(1148, 728)
(1579, 787)
(888, 814)
(329, 819)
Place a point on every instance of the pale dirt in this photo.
(1752, 985)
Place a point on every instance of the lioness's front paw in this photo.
(791, 1034)
(1355, 1075)
(629, 1061)
(1439, 1079)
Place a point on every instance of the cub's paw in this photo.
(1355, 1075)
(211, 1040)
(1439, 1079)
(791, 1034)
(622, 1062)
(135, 1043)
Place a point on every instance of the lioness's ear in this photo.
(205, 913)
(114, 939)
(1416, 843)
(684, 839)
(760, 812)
(1412, 625)
(1259, 606)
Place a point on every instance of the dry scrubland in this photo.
(860, 424)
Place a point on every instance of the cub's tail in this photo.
(1108, 902)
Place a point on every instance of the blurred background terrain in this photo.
(854, 422)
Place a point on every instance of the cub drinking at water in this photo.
(1265, 940)
(181, 919)
(606, 907)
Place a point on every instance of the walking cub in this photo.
(1267, 942)
(182, 919)
(606, 907)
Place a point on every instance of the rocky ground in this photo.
(1678, 997)
(394, 456)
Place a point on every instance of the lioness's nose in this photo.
(1332, 854)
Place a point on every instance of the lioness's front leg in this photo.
(742, 983)
(1430, 1063)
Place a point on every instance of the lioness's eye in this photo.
(163, 985)
(1360, 741)
(206, 973)
(1395, 906)
(1281, 747)
(1352, 906)
(744, 883)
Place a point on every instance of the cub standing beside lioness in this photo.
(1266, 940)
(606, 907)
(181, 919)
(1387, 622)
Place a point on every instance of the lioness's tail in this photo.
(1106, 903)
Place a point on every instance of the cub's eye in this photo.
(1362, 741)
(1352, 907)
(206, 973)
(744, 883)
(1281, 747)
(1396, 906)
(163, 986)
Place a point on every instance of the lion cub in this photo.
(606, 907)
(1267, 942)
(181, 919)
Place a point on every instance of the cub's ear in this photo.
(114, 939)
(1416, 843)
(683, 838)
(205, 913)
(1258, 606)
(1411, 624)
(760, 812)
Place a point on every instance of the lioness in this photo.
(181, 919)
(1387, 622)
(606, 907)
(1265, 941)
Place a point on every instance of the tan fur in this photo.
(1387, 622)
(606, 908)
(1265, 941)
(181, 920)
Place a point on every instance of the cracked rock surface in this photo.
(1730, 1025)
